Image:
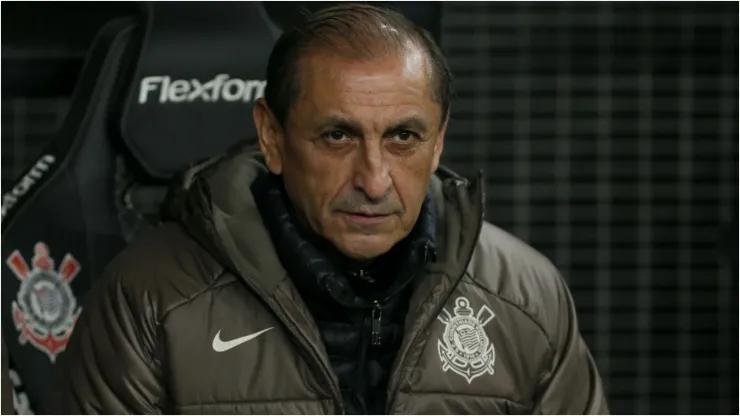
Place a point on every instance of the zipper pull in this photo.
(362, 274)
(376, 324)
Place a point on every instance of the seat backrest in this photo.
(202, 64)
(49, 238)
(156, 94)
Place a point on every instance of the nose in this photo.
(372, 174)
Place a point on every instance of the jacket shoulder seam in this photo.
(206, 288)
(516, 306)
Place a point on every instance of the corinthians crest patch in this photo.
(465, 348)
(46, 310)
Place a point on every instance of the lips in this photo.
(367, 214)
(366, 217)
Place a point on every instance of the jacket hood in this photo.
(214, 202)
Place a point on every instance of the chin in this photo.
(364, 247)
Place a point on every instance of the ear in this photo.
(440, 143)
(270, 135)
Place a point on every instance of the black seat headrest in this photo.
(201, 67)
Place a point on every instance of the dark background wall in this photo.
(608, 133)
(609, 137)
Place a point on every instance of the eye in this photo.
(335, 136)
(405, 136)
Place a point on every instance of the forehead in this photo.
(394, 85)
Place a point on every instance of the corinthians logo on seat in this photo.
(46, 310)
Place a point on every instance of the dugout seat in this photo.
(158, 92)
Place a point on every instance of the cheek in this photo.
(314, 177)
(411, 182)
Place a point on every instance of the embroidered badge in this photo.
(465, 348)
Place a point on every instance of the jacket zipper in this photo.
(375, 339)
(362, 364)
(377, 312)
(377, 317)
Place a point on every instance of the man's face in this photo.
(359, 148)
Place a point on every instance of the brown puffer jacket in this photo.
(200, 317)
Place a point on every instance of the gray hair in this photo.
(356, 31)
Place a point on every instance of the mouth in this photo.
(366, 217)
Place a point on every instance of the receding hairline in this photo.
(342, 47)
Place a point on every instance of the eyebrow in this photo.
(352, 127)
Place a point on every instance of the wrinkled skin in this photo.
(358, 148)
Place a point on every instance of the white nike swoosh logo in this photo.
(221, 346)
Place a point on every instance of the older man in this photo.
(340, 269)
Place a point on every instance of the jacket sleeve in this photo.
(572, 384)
(110, 366)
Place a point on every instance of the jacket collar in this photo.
(214, 203)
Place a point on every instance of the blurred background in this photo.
(608, 135)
